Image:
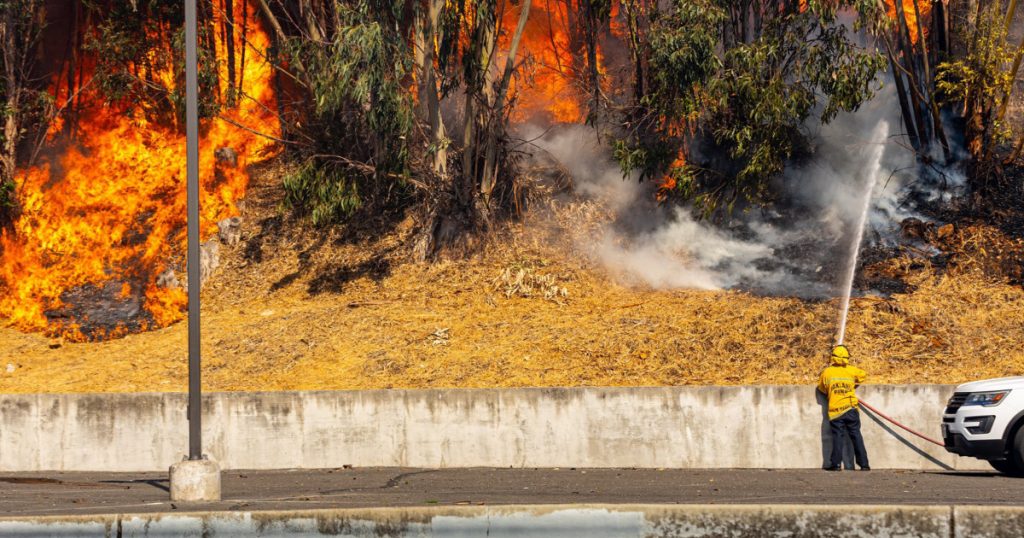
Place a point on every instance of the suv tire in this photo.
(1013, 465)
(1015, 452)
(1006, 467)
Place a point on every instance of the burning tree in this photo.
(901, 29)
(734, 83)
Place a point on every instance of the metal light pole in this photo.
(197, 478)
(195, 405)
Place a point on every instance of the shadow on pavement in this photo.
(971, 474)
(158, 483)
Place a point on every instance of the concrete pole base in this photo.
(195, 480)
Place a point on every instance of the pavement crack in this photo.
(394, 481)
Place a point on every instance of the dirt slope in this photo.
(297, 308)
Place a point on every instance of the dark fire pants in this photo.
(848, 424)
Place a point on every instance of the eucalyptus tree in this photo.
(739, 81)
(399, 101)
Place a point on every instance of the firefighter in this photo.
(837, 383)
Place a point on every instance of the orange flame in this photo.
(909, 13)
(554, 87)
(111, 209)
(546, 39)
(668, 181)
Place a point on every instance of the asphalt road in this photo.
(94, 493)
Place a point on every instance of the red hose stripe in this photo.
(890, 419)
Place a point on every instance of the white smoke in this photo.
(683, 253)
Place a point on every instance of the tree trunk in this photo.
(1017, 56)
(1016, 150)
(8, 40)
(229, 44)
(478, 92)
(631, 8)
(913, 81)
(757, 18)
(497, 112)
(1011, 10)
(468, 150)
(937, 128)
(75, 44)
(429, 98)
(593, 74)
(308, 15)
(940, 21)
(974, 129)
(282, 38)
(901, 94)
(245, 45)
(923, 43)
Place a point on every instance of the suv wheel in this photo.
(1013, 465)
(1006, 467)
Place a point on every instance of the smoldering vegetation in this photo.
(795, 246)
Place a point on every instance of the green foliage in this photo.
(769, 88)
(323, 190)
(476, 61)
(681, 54)
(8, 200)
(647, 159)
(749, 99)
(364, 66)
(981, 75)
(362, 112)
(451, 44)
(682, 57)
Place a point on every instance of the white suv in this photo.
(984, 420)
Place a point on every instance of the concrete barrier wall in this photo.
(686, 427)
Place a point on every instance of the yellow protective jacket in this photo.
(838, 383)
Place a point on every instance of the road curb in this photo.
(589, 521)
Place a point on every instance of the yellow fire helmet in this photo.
(840, 355)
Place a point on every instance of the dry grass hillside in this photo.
(296, 308)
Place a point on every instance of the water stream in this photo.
(870, 179)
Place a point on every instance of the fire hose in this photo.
(890, 419)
